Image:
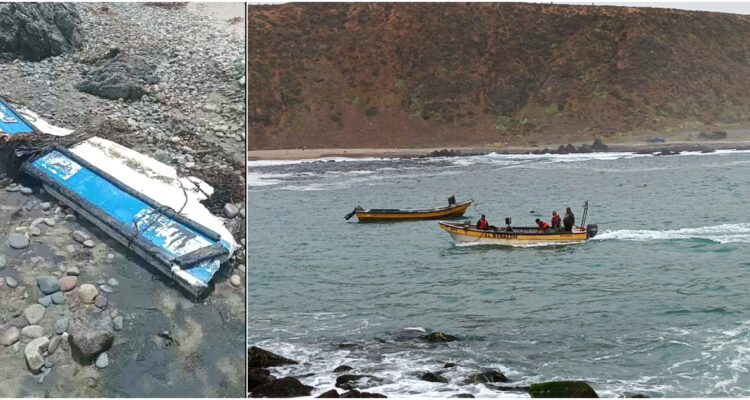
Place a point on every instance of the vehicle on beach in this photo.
(467, 232)
(395, 214)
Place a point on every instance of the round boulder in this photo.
(87, 293)
(90, 335)
(48, 284)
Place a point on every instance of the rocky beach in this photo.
(80, 314)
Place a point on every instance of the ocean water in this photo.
(656, 304)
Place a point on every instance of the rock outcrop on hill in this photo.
(433, 74)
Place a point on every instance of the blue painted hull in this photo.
(138, 223)
(11, 123)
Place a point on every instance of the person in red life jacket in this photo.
(482, 223)
(543, 226)
(556, 221)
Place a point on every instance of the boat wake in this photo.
(724, 233)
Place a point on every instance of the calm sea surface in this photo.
(657, 304)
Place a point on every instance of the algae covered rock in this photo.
(284, 387)
(259, 358)
(558, 389)
(438, 337)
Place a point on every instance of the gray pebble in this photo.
(58, 298)
(106, 289)
(49, 362)
(88, 243)
(61, 325)
(230, 210)
(112, 282)
(12, 283)
(45, 301)
(26, 191)
(117, 323)
(102, 361)
(18, 241)
(46, 206)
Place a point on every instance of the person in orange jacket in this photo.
(543, 226)
(482, 223)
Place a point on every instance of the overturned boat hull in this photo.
(184, 250)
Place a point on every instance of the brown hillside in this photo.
(434, 74)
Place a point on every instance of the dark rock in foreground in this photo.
(257, 377)
(349, 381)
(331, 394)
(560, 389)
(118, 79)
(284, 387)
(356, 394)
(433, 377)
(36, 31)
(487, 377)
(438, 337)
(90, 335)
(259, 358)
(343, 368)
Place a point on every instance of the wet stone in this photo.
(106, 289)
(87, 293)
(61, 325)
(102, 361)
(26, 191)
(33, 353)
(73, 271)
(117, 323)
(32, 331)
(54, 344)
(58, 298)
(79, 236)
(12, 283)
(49, 221)
(34, 313)
(45, 206)
(18, 241)
(49, 362)
(89, 244)
(34, 231)
(113, 282)
(45, 301)
(48, 284)
(230, 210)
(100, 302)
(68, 283)
(9, 335)
(235, 280)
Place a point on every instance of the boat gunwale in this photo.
(522, 230)
(457, 206)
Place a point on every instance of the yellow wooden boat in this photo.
(392, 214)
(467, 232)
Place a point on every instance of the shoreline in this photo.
(627, 147)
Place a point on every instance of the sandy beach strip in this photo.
(302, 154)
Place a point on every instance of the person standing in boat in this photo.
(452, 199)
(569, 220)
(482, 223)
(556, 221)
(543, 226)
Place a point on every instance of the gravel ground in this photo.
(193, 119)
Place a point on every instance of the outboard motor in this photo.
(591, 230)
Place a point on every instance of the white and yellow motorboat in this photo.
(466, 232)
